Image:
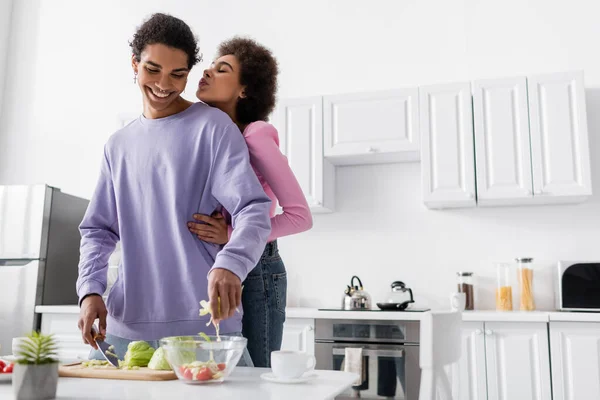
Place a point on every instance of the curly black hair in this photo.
(168, 30)
(258, 73)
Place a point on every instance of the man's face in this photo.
(161, 75)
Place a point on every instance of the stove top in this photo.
(415, 309)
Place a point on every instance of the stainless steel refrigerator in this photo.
(39, 254)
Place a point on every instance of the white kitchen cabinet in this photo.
(575, 349)
(502, 149)
(299, 335)
(503, 361)
(559, 137)
(517, 361)
(447, 157)
(300, 126)
(468, 375)
(374, 127)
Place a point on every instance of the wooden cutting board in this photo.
(142, 374)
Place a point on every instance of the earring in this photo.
(134, 77)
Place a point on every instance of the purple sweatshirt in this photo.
(155, 174)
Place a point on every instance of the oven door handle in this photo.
(340, 351)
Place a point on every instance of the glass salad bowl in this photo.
(203, 359)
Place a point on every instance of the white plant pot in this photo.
(35, 382)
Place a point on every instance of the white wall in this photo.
(69, 78)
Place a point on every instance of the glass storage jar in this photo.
(525, 269)
(504, 298)
(465, 285)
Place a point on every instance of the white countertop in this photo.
(244, 383)
(477, 315)
(574, 316)
(314, 313)
(506, 316)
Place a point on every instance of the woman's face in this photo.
(220, 85)
(161, 75)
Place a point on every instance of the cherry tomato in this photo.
(204, 374)
(187, 374)
(8, 369)
(2, 365)
(221, 366)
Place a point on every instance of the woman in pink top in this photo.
(242, 82)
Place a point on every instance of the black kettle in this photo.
(399, 299)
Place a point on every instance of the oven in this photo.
(388, 353)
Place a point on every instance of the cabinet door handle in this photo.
(371, 149)
(488, 332)
(478, 331)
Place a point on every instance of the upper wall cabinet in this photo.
(502, 150)
(447, 161)
(300, 126)
(559, 137)
(530, 137)
(377, 127)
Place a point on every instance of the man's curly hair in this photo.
(258, 73)
(168, 30)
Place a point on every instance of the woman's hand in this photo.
(211, 229)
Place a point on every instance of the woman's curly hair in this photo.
(258, 73)
(168, 30)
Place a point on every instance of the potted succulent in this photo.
(35, 374)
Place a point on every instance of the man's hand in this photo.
(92, 307)
(224, 285)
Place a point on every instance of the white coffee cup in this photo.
(458, 301)
(291, 364)
(16, 344)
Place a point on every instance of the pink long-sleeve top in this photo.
(278, 181)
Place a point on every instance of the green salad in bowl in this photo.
(203, 359)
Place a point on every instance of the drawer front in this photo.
(67, 334)
(60, 324)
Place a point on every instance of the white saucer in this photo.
(269, 376)
(5, 377)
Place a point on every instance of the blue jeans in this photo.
(120, 348)
(264, 301)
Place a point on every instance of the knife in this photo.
(105, 348)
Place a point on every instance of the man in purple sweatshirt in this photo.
(178, 158)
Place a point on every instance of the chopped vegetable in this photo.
(138, 354)
(202, 371)
(204, 336)
(6, 368)
(159, 361)
(205, 310)
(94, 363)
